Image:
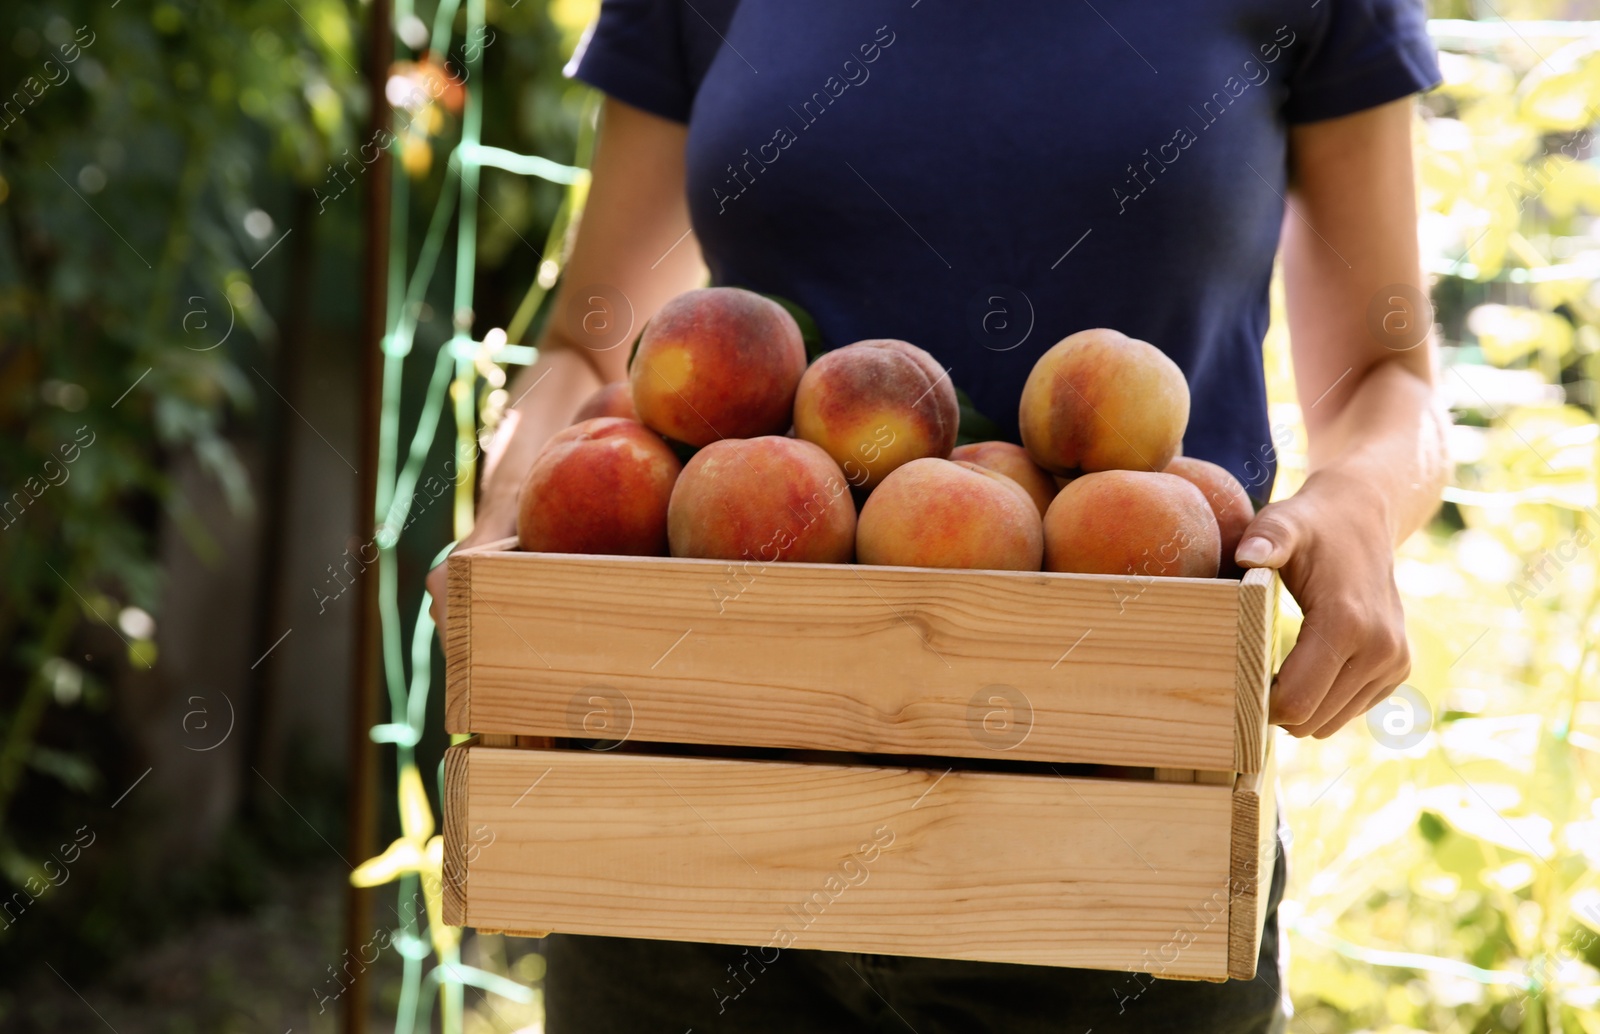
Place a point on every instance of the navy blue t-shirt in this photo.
(983, 180)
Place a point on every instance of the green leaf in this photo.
(633, 349)
(809, 333)
(74, 771)
(974, 426)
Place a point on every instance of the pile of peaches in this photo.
(854, 457)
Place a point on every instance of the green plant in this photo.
(1450, 885)
(133, 218)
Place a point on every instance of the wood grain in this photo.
(956, 864)
(1123, 671)
(1254, 853)
(458, 644)
(453, 879)
(1258, 612)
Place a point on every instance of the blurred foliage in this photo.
(154, 158)
(131, 194)
(1452, 886)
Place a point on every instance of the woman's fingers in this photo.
(1370, 696)
(1313, 698)
(1271, 539)
(1352, 682)
(1305, 679)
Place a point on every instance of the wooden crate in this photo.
(974, 844)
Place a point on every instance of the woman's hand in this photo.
(1331, 541)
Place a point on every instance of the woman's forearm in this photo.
(1388, 439)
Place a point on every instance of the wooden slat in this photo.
(1255, 851)
(1122, 671)
(956, 864)
(1258, 612)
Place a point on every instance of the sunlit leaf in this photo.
(1484, 811)
(1508, 333)
(1467, 77)
(1510, 740)
(1556, 102)
(1511, 877)
(416, 816)
(445, 938)
(402, 856)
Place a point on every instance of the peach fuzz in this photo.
(938, 513)
(876, 405)
(718, 362)
(1133, 523)
(600, 486)
(762, 499)
(614, 399)
(1014, 462)
(1100, 400)
(1227, 497)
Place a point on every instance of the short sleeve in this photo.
(652, 54)
(1366, 53)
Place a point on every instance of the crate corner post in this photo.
(1258, 611)
(453, 873)
(458, 645)
(1254, 856)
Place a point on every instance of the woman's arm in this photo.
(633, 244)
(1360, 329)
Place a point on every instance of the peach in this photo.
(1100, 400)
(1014, 462)
(614, 399)
(1132, 522)
(762, 499)
(600, 486)
(875, 405)
(1230, 503)
(938, 513)
(718, 362)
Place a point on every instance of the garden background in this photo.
(183, 186)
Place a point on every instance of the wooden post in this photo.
(361, 809)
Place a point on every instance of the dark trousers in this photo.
(610, 985)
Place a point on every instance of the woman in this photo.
(982, 182)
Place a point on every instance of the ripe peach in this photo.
(875, 405)
(762, 499)
(938, 513)
(1227, 497)
(715, 363)
(1100, 400)
(614, 399)
(600, 486)
(1131, 522)
(1014, 462)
